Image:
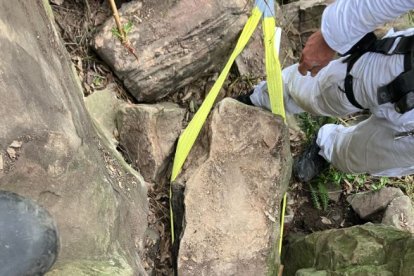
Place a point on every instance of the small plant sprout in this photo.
(98, 80)
(121, 32)
(126, 28)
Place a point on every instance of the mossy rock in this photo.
(361, 250)
(311, 272)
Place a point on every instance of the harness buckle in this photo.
(384, 95)
(400, 92)
(404, 134)
(405, 104)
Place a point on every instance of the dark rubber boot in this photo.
(309, 164)
(28, 237)
(245, 98)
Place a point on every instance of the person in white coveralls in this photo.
(371, 74)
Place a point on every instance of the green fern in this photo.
(323, 195)
(315, 197)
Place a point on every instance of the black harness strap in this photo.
(401, 90)
(383, 46)
(349, 91)
(406, 100)
(355, 53)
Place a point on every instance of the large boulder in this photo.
(52, 153)
(360, 250)
(147, 134)
(230, 192)
(176, 42)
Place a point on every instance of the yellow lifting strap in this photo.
(265, 9)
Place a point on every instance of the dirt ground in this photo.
(78, 20)
(308, 219)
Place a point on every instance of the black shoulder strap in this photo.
(384, 46)
(349, 91)
(355, 53)
(363, 45)
(398, 88)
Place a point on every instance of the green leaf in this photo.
(128, 27)
(116, 33)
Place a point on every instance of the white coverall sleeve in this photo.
(345, 22)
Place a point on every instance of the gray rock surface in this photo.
(148, 134)
(58, 160)
(360, 250)
(368, 203)
(334, 191)
(233, 184)
(176, 42)
(251, 61)
(103, 105)
(400, 214)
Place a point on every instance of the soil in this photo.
(78, 20)
(307, 218)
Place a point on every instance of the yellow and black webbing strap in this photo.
(274, 83)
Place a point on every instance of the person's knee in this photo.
(334, 142)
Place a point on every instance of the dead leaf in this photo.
(187, 96)
(294, 135)
(289, 52)
(77, 60)
(403, 221)
(269, 216)
(326, 221)
(12, 153)
(116, 133)
(87, 88)
(57, 2)
(16, 144)
(348, 187)
(342, 223)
